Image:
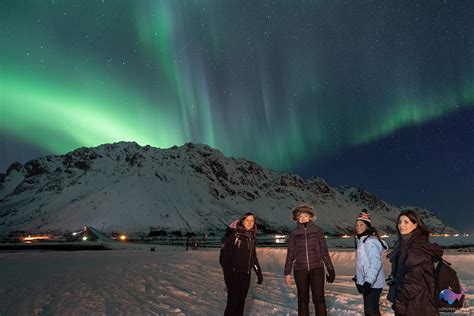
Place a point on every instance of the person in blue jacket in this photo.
(370, 278)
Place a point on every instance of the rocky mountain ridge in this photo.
(130, 188)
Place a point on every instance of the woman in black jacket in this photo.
(308, 254)
(412, 290)
(238, 257)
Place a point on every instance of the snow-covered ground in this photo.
(168, 281)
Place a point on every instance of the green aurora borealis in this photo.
(287, 84)
(83, 73)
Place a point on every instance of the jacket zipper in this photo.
(306, 242)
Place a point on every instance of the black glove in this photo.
(366, 288)
(330, 276)
(260, 277)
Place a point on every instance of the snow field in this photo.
(168, 281)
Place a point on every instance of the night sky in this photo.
(374, 94)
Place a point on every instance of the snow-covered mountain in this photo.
(129, 188)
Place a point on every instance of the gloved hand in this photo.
(260, 277)
(330, 276)
(358, 286)
(366, 288)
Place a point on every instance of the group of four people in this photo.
(411, 283)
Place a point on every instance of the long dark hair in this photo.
(242, 219)
(415, 219)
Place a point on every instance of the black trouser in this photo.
(237, 289)
(371, 303)
(314, 279)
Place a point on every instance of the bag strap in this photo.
(380, 240)
(436, 258)
(384, 246)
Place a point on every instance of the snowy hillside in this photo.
(129, 188)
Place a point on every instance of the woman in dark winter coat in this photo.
(370, 278)
(412, 290)
(238, 257)
(307, 255)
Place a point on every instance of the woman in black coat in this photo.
(412, 290)
(307, 255)
(238, 257)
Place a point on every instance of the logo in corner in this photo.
(451, 297)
